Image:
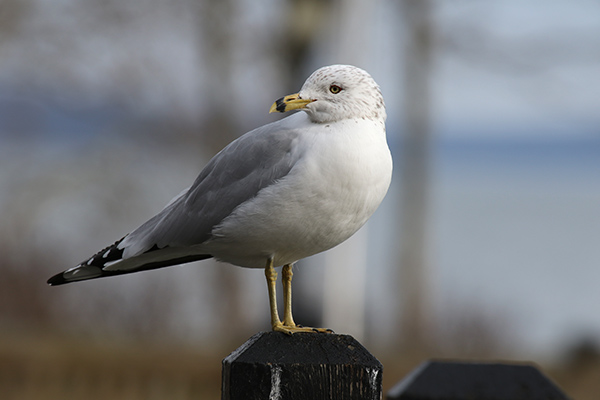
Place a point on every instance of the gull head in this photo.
(335, 93)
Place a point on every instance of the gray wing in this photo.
(235, 175)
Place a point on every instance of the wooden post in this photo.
(482, 381)
(276, 366)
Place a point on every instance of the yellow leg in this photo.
(271, 285)
(288, 326)
(286, 278)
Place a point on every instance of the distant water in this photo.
(515, 232)
(561, 155)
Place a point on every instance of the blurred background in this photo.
(487, 245)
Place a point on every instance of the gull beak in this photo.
(289, 103)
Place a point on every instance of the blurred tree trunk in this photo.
(218, 30)
(304, 20)
(414, 275)
(12, 14)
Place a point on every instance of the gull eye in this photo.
(335, 89)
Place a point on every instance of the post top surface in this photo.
(302, 348)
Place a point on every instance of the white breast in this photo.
(329, 194)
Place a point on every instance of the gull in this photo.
(277, 194)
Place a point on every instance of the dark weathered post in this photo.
(275, 366)
(481, 381)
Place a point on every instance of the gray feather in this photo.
(235, 175)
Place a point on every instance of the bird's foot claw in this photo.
(320, 330)
(291, 329)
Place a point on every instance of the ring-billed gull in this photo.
(277, 194)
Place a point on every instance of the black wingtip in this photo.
(85, 272)
(57, 279)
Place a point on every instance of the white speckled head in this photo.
(342, 92)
